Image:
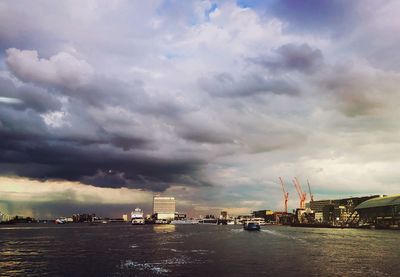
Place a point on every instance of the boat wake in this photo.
(160, 267)
(196, 251)
(281, 235)
(237, 230)
(155, 268)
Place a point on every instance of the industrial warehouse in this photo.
(375, 211)
(382, 212)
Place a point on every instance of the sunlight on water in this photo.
(164, 228)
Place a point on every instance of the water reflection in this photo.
(349, 249)
(161, 249)
(163, 228)
(18, 258)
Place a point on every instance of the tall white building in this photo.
(4, 217)
(164, 207)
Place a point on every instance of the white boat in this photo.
(259, 220)
(137, 217)
(61, 220)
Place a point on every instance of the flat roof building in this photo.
(164, 207)
(381, 211)
(318, 205)
(350, 203)
(337, 211)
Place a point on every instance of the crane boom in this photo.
(309, 189)
(285, 194)
(297, 188)
(302, 194)
(283, 186)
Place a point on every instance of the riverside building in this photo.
(381, 212)
(164, 207)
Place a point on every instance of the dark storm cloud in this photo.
(22, 125)
(202, 136)
(44, 158)
(29, 152)
(88, 146)
(292, 57)
(127, 143)
(31, 97)
(225, 85)
(96, 156)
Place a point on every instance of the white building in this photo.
(3, 217)
(164, 207)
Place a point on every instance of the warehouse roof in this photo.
(380, 202)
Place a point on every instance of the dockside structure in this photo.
(336, 211)
(381, 212)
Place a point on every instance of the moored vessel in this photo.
(137, 217)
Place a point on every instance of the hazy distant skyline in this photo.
(103, 103)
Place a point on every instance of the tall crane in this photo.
(309, 189)
(301, 193)
(285, 194)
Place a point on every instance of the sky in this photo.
(104, 103)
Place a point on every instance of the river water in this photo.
(195, 250)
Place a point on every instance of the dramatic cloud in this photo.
(293, 57)
(224, 85)
(28, 96)
(63, 69)
(209, 101)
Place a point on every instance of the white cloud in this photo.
(10, 100)
(55, 119)
(62, 69)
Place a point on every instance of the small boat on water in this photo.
(251, 226)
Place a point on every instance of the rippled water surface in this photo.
(185, 250)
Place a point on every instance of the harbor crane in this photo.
(301, 193)
(309, 189)
(285, 194)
